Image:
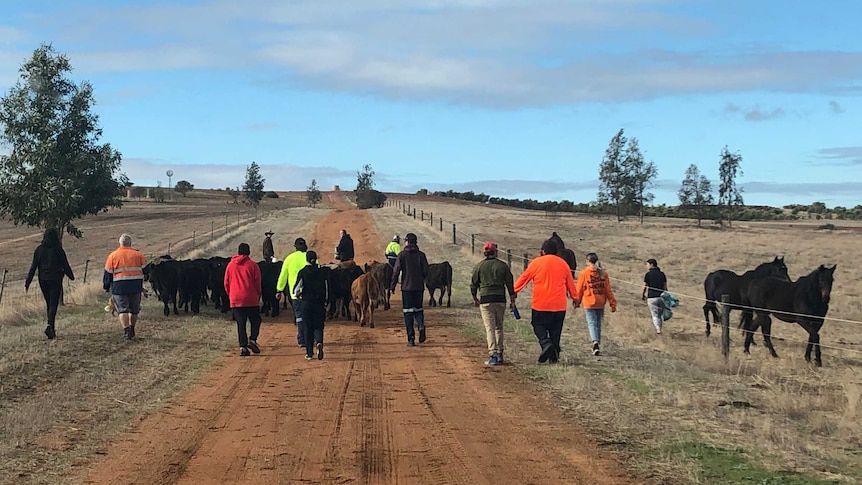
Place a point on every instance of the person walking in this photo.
(312, 293)
(655, 283)
(552, 282)
(268, 250)
(594, 286)
(413, 267)
(392, 250)
(344, 250)
(124, 279)
(242, 282)
(290, 268)
(491, 281)
(51, 262)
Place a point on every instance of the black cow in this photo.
(269, 273)
(164, 276)
(439, 276)
(217, 265)
(192, 284)
(340, 279)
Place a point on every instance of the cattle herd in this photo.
(193, 282)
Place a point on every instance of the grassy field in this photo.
(61, 401)
(664, 403)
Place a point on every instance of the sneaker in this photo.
(308, 357)
(252, 345)
(500, 358)
(411, 343)
(547, 353)
(132, 331)
(319, 351)
(596, 350)
(300, 345)
(49, 332)
(128, 333)
(243, 352)
(422, 335)
(492, 360)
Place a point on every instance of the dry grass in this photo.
(649, 393)
(61, 401)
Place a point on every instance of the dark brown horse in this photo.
(567, 254)
(804, 301)
(726, 282)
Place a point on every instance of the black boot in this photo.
(49, 332)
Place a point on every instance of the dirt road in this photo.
(374, 411)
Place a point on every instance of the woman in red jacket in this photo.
(243, 286)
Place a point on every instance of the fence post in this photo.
(454, 240)
(414, 213)
(526, 261)
(472, 243)
(194, 236)
(725, 325)
(3, 283)
(441, 224)
(86, 266)
(422, 215)
(509, 257)
(212, 230)
(432, 219)
(169, 248)
(225, 223)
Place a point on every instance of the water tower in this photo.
(170, 173)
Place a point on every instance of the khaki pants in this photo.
(492, 317)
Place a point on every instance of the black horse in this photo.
(804, 301)
(725, 282)
(567, 254)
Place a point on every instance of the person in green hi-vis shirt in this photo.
(392, 250)
(293, 263)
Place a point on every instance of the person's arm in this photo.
(32, 272)
(608, 291)
(108, 275)
(395, 270)
(571, 288)
(227, 272)
(510, 285)
(425, 266)
(474, 284)
(282, 276)
(580, 287)
(645, 288)
(257, 281)
(664, 287)
(66, 268)
(525, 277)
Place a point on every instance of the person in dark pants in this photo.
(242, 282)
(51, 262)
(312, 292)
(344, 250)
(267, 249)
(413, 267)
(552, 280)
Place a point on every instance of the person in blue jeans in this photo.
(594, 291)
(413, 267)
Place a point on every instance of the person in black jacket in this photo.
(51, 262)
(413, 267)
(312, 291)
(344, 250)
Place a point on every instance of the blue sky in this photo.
(516, 98)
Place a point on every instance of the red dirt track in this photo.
(373, 411)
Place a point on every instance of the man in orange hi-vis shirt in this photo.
(552, 281)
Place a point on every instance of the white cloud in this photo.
(497, 53)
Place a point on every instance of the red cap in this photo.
(489, 247)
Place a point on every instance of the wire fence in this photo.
(12, 279)
(467, 237)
